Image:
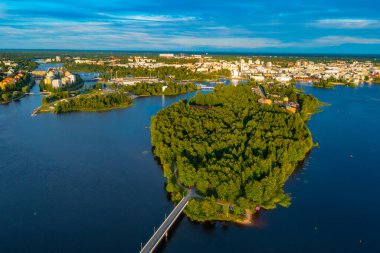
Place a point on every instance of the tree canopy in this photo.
(94, 101)
(231, 149)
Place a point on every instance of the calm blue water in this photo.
(46, 66)
(335, 193)
(88, 182)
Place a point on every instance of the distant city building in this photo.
(258, 78)
(166, 55)
(235, 73)
(72, 78)
(56, 83)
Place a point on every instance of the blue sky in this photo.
(319, 26)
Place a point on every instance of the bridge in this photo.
(163, 230)
(39, 93)
(91, 79)
(205, 87)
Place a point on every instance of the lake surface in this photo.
(88, 182)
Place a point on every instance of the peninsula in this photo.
(94, 100)
(236, 148)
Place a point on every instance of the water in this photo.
(46, 66)
(88, 182)
(335, 192)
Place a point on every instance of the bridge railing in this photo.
(173, 213)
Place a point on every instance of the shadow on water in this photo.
(301, 165)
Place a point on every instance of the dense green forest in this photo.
(94, 101)
(16, 90)
(57, 96)
(147, 89)
(97, 98)
(236, 153)
(165, 73)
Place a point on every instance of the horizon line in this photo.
(196, 51)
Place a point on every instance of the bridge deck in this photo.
(165, 226)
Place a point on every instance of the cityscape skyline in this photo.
(216, 26)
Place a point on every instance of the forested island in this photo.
(106, 97)
(94, 99)
(237, 153)
(331, 82)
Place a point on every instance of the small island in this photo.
(107, 97)
(236, 151)
(331, 82)
(87, 101)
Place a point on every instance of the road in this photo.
(166, 225)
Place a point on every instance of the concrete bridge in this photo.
(163, 230)
(39, 93)
(205, 87)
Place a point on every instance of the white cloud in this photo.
(111, 34)
(332, 41)
(2, 11)
(347, 23)
(229, 42)
(152, 18)
(341, 40)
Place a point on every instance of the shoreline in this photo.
(248, 218)
(14, 99)
(37, 110)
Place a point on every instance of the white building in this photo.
(258, 78)
(283, 79)
(66, 81)
(235, 73)
(202, 69)
(72, 78)
(56, 83)
(167, 55)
